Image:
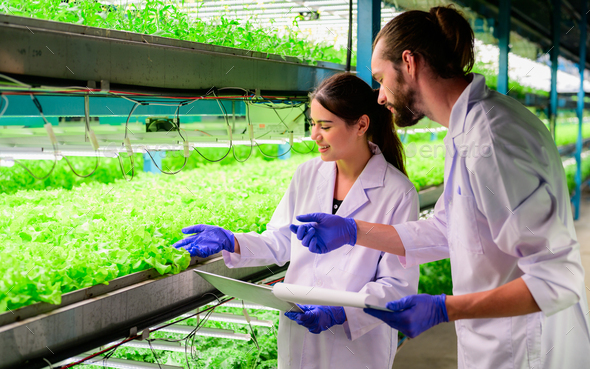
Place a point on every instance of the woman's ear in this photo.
(363, 122)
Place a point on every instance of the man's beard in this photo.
(406, 114)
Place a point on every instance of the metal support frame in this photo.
(523, 24)
(555, 33)
(145, 63)
(504, 42)
(368, 25)
(101, 314)
(580, 110)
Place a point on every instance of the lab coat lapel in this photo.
(474, 92)
(325, 187)
(372, 176)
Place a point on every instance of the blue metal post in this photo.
(148, 163)
(284, 151)
(580, 110)
(556, 24)
(503, 43)
(368, 25)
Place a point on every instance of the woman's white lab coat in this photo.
(505, 213)
(381, 194)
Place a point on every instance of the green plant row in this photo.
(166, 19)
(566, 134)
(13, 179)
(424, 162)
(55, 241)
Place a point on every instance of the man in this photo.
(504, 218)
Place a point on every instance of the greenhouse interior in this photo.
(124, 121)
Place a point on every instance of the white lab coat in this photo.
(381, 194)
(505, 213)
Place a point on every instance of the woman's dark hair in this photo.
(349, 97)
(442, 37)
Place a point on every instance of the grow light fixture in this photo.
(280, 142)
(119, 363)
(6, 163)
(247, 305)
(26, 156)
(206, 332)
(237, 319)
(211, 144)
(156, 345)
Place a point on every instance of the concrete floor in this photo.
(437, 348)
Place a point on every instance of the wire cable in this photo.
(38, 105)
(83, 175)
(249, 126)
(5, 106)
(229, 133)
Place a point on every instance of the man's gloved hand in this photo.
(318, 318)
(207, 241)
(327, 232)
(413, 314)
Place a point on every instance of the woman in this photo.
(360, 174)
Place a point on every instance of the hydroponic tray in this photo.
(95, 316)
(70, 52)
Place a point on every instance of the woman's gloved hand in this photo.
(325, 233)
(413, 314)
(318, 318)
(206, 241)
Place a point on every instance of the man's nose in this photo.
(382, 99)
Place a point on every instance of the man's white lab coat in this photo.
(505, 213)
(381, 194)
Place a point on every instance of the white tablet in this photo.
(258, 294)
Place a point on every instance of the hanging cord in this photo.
(5, 106)
(128, 145)
(349, 47)
(252, 334)
(229, 131)
(177, 124)
(250, 128)
(53, 143)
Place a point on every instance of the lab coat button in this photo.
(319, 283)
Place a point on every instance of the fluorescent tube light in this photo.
(206, 332)
(157, 345)
(247, 305)
(120, 363)
(25, 156)
(234, 318)
(6, 163)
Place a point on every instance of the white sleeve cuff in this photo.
(406, 261)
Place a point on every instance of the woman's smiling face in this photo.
(335, 139)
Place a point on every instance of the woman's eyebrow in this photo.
(323, 121)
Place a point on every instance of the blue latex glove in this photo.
(318, 318)
(207, 241)
(413, 314)
(327, 232)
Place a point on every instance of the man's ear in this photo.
(409, 61)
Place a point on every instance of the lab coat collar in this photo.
(476, 90)
(373, 175)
